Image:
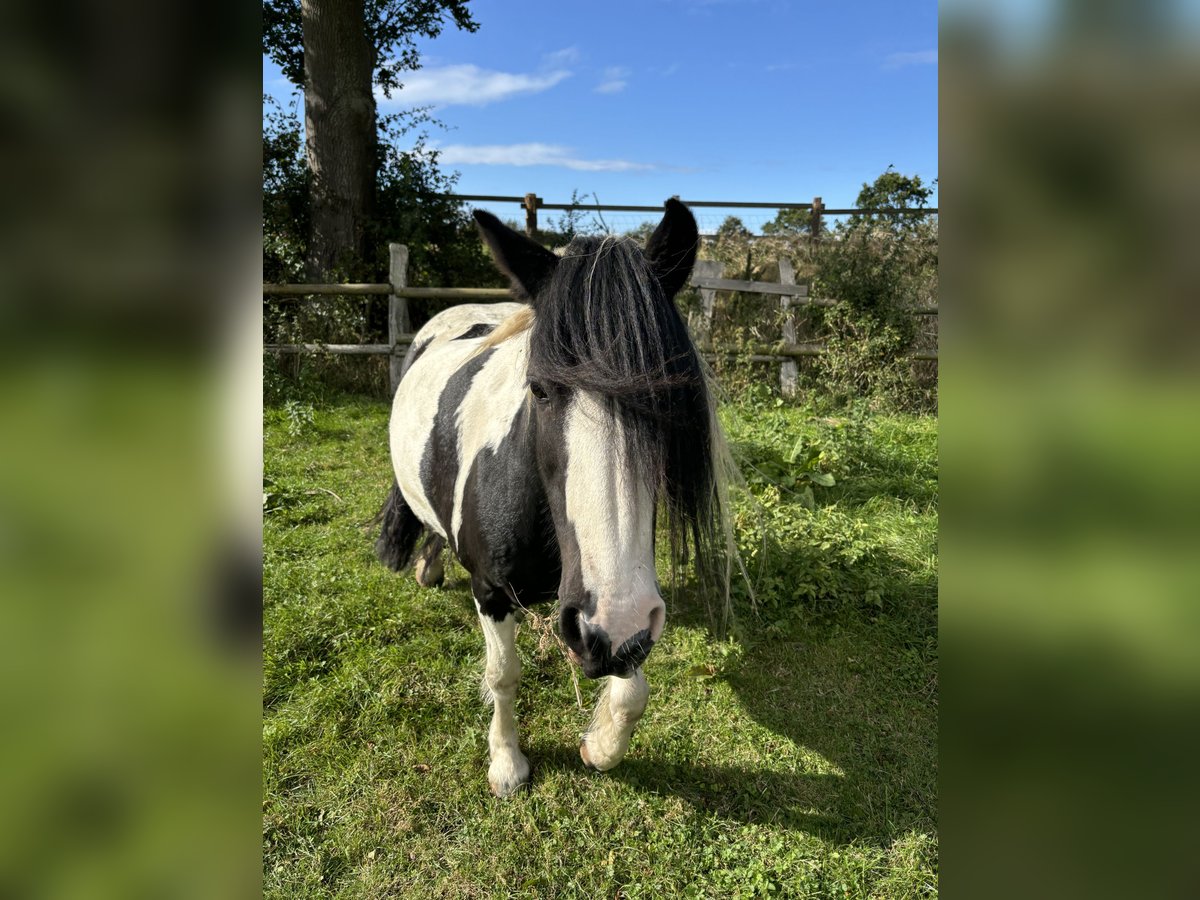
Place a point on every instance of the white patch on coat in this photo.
(415, 405)
(612, 512)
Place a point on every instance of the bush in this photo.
(880, 266)
(867, 359)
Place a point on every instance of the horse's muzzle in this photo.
(590, 647)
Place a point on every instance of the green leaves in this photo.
(808, 460)
(833, 499)
(299, 417)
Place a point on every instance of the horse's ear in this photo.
(671, 250)
(527, 264)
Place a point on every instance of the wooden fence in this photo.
(706, 277)
(531, 203)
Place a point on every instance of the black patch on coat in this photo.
(439, 462)
(478, 330)
(507, 536)
(552, 465)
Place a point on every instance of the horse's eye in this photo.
(538, 392)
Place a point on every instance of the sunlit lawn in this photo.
(797, 755)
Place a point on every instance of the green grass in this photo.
(797, 755)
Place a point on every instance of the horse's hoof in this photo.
(591, 763)
(596, 759)
(504, 789)
(586, 757)
(508, 788)
(507, 780)
(429, 574)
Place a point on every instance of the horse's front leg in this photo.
(509, 769)
(621, 706)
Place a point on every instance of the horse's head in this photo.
(623, 424)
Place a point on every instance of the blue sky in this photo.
(708, 99)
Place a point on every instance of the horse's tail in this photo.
(398, 531)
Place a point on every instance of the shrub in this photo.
(879, 266)
(867, 359)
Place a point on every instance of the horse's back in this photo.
(463, 322)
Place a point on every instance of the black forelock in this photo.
(603, 324)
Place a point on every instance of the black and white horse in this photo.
(539, 440)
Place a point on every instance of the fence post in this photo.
(531, 207)
(788, 369)
(398, 320)
(701, 325)
(815, 218)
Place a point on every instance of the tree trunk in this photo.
(339, 117)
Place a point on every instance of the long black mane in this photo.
(604, 324)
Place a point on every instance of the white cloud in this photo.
(531, 155)
(616, 79)
(567, 56)
(468, 85)
(921, 58)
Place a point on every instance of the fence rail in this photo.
(706, 278)
(764, 353)
(408, 293)
(347, 349)
(531, 203)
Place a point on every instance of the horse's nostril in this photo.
(569, 626)
(658, 619)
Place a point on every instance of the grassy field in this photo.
(795, 755)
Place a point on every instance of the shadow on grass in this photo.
(886, 474)
(855, 685)
(728, 792)
(859, 691)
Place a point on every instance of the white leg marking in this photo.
(509, 769)
(621, 706)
